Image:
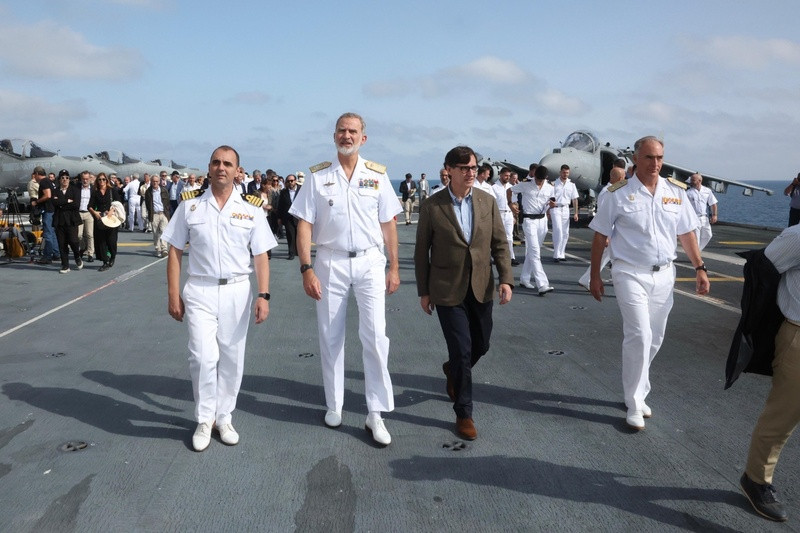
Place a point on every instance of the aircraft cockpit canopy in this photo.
(116, 157)
(582, 140)
(24, 148)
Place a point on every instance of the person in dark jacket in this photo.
(105, 237)
(285, 200)
(781, 414)
(156, 198)
(66, 219)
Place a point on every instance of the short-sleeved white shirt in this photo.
(484, 186)
(784, 252)
(499, 190)
(220, 240)
(534, 199)
(701, 199)
(346, 215)
(564, 192)
(643, 227)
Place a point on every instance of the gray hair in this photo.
(352, 115)
(650, 138)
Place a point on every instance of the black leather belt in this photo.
(540, 215)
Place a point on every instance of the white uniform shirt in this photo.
(484, 186)
(701, 199)
(784, 252)
(564, 192)
(643, 228)
(499, 190)
(534, 199)
(346, 215)
(221, 239)
(132, 191)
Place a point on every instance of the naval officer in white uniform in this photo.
(348, 209)
(702, 199)
(642, 217)
(223, 228)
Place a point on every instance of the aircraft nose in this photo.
(553, 163)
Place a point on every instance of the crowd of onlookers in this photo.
(83, 214)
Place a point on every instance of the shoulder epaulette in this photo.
(320, 166)
(680, 184)
(188, 195)
(617, 185)
(377, 167)
(253, 199)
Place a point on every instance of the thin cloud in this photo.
(738, 52)
(52, 51)
(33, 116)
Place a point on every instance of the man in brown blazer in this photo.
(459, 232)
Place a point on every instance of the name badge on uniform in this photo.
(670, 200)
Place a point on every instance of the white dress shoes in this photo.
(646, 411)
(635, 419)
(527, 284)
(201, 437)
(379, 432)
(228, 435)
(333, 419)
(545, 290)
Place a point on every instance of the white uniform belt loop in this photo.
(350, 253)
(221, 281)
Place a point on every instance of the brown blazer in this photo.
(445, 265)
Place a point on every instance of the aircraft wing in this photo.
(715, 183)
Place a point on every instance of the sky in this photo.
(718, 81)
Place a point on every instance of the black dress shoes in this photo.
(763, 498)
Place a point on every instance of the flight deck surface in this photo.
(93, 358)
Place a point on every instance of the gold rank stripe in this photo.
(742, 243)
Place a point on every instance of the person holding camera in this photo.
(793, 192)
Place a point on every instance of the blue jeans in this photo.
(49, 235)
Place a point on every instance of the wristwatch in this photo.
(305, 267)
(264, 295)
(701, 267)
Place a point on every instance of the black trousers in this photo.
(105, 241)
(467, 329)
(794, 216)
(67, 237)
(290, 223)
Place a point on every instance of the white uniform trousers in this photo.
(703, 232)
(508, 223)
(535, 230)
(366, 274)
(218, 317)
(587, 276)
(559, 217)
(645, 300)
(135, 214)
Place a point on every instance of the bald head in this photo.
(616, 175)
